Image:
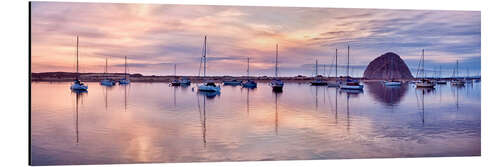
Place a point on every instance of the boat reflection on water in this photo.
(351, 92)
(421, 101)
(125, 94)
(387, 95)
(79, 94)
(336, 103)
(203, 118)
(209, 95)
(276, 96)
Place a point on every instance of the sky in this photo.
(154, 37)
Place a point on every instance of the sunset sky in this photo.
(154, 37)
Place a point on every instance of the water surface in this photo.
(154, 122)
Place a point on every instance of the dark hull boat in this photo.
(250, 84)
(232, 82)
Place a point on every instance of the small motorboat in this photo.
(233, 82)
(185, 81)
(249, 84)
(108, 82)
(175, 82)
(277, 85)
(124, 81)
(318, 82)
(457, 82)
(441, 82)
(78, 85)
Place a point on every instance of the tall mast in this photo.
(205, 56)
(423, 62)
(348, 47)
(77, 71)
(457, 70)
(77, 54)
(125, 67)
(276, 65)
(248, 67)
(316, 69)
(106, 68)
(335, 63)
(175, 69)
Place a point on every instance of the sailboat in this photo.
(249, 83)
(107, 81)
(175, 82)
(336, 83)
(424, 83)
(350, 83)
(392, 82)
(456, 81)
(77, 84)
(440, 80)
(125, 79)
(208, 86)
(318, 81)
(276, 83)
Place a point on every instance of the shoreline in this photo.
(96, 77)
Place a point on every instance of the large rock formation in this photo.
(387, 66)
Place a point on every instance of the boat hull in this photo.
(392, 83)
(78, 87)
(107, 83)
(352, 87)
(124, 81)
(250, 84)
(425, 85)
(441, 82)
(206, 88)
(232, 83)
(319, 83)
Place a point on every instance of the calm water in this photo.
(153, 122)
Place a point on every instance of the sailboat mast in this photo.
(77, 55)
(423, 62)
(316, 69)
(248, 67)
(348, 48)
(106, 68)
(276, 65)
(205, 56)
(457, 70)
(335, 63)
(125, 73)
(175, 69)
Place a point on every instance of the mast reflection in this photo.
(79, 94)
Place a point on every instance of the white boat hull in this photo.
(352, 87)
(390, 83)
